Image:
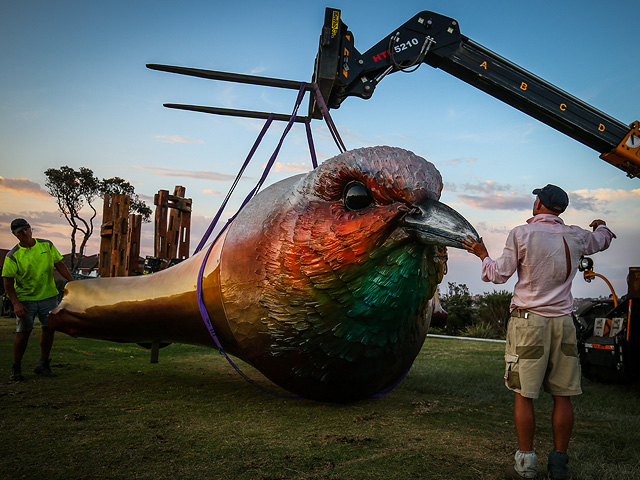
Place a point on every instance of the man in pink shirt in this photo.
(541, 345)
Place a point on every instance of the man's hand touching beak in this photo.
(477, 248)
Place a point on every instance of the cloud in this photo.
(35, 218)
(449, 187)
(483, 226)
(490, 195)
(176, 139)
(198, 174)
(600, 199)
(22, 186)
(493, 195)
(517, 133)
(610, 195)
(257, 70)
(580, 201)
(487, 187)
(46, 224)
(456, 162)
(208, 191)
(497, 202)
(290, 167)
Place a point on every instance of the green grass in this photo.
(112, 414)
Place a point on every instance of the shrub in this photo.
(437, 331)
(480, 330)
(493, 309)
(458, 304)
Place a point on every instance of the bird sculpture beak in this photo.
(435, 223)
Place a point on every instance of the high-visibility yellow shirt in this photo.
(32, 270)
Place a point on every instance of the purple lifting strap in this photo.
(207, 321)
(214, 222)
(201, 305)
(312, 150)
(327, 118)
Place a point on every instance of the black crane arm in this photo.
(342, 71)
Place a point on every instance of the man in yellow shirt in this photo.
(28, 280)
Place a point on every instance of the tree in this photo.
(493, 308)
(458, 303)
(75, 189)
(117, 185)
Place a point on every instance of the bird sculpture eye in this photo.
(357, 197)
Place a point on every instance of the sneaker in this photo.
(558, 466)
(16, 374)
(512, 474)
(526, 463)
(44, 368)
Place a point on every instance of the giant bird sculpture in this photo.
(323, 282)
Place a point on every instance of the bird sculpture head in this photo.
(324, 282)
(338, 268)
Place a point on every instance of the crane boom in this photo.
(342, 71)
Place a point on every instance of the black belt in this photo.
(520, 313)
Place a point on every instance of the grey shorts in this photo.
(41, 308)
(542, 351)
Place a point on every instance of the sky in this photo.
(74, 90)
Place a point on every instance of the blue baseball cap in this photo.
(553, 197)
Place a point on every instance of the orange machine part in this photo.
(626, 156)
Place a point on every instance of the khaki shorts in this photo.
(542, 351)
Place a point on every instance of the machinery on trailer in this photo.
(606, 339)
(607, 330)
